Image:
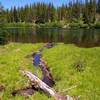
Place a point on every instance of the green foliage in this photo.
(89, 11)
(78, 25)
(2, 23)
(1, 16)
(62, 61)
(52, 24)
(97, 25)
(41, 13)
(19, 24)
(84, 26)
(74, 25)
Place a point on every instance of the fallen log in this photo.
(36, 82)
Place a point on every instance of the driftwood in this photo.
(36, 82)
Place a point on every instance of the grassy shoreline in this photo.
(63, 61)
(53, 25)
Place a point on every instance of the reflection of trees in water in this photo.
(24, 35)
(83, 37)
(47, 35)
(90, 38)
(80, 37)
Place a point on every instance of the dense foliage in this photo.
(77, 11)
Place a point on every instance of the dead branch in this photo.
(44, 87)
(66, 90)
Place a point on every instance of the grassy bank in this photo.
(70, 65)
(58, 24)
(23, 24)
(19, 24)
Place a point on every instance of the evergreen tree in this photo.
(1, 15)
(42, 13)
(89, 11)
(15, 16)
(98, 6)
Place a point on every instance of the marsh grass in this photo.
(62, 61)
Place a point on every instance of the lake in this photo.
(80, 37)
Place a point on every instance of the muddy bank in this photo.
(26, 92)
(47, 76)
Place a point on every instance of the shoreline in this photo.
(52, 25)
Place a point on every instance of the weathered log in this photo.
(44, 87)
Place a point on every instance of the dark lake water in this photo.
(80, 37)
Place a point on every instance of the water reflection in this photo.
(80, 37)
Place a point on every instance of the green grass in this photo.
(18, 25)
(56, 24)
(62, 60)
(52, 24)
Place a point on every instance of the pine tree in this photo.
(15, 16)
(1, 15)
